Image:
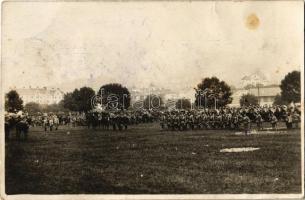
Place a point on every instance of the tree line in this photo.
(209, 93)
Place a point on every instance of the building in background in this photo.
(139, 94)
(265, 94)
(42, 95)
(258, 85)
(254, 79)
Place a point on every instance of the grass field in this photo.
(146, 160)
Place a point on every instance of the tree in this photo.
(291, 87)
(84, 97)
(32, 107)
(69, 102)
(153, 101)
(212, 91)
(13, 102)
(278, 100)
(183, 104)
(79, 99)
(114, 96)
(248, 100)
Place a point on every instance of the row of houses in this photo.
(41, 95)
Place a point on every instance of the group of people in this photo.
(230, 118)
(223, 118)
(119, 120)
(19, 121)
(71, 119)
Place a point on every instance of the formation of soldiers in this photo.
(72, 119)
(229, 118)
(119, 120)
(224, 118)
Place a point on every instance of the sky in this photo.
(171, 45)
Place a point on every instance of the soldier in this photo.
(204, 120)
(289, 121)
(176, 122)
(229, 120)
(45, 123)
(296, 119)
(126, 120)
(247, 123)
(274, 122)
(51, 122)
(113, 119)
(182, 121)
(169, 121)
(162, 121)
(56, 122)
(22, 127)
(197, 120)
(259, 121)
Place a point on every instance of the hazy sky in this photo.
(170, 44)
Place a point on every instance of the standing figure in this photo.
(274, 122)
(296, 119)
(247, 123)
(289, 121)
(259, 122)
(45, 123)
(56, 122)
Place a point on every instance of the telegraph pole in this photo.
(258, 96)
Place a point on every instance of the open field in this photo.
(146, 160)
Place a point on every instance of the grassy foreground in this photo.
(146, 160)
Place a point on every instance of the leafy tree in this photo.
(153, 102)
(69, 101)
(183, 104)
(13, 102)
(114, 96)
(32, 107)
(79, 99)
(211, 89)
(278, 100)
(248, 99)
(291, 87)
(84, 97)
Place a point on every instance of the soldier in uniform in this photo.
(113, 119)
(162, 121)
(259, 121)
(274, 122)
(289, 121)
(182, 121)
(247, 123)
(296, 119)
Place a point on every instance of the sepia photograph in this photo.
(137, 99)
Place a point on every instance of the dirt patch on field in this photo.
(236, 150)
